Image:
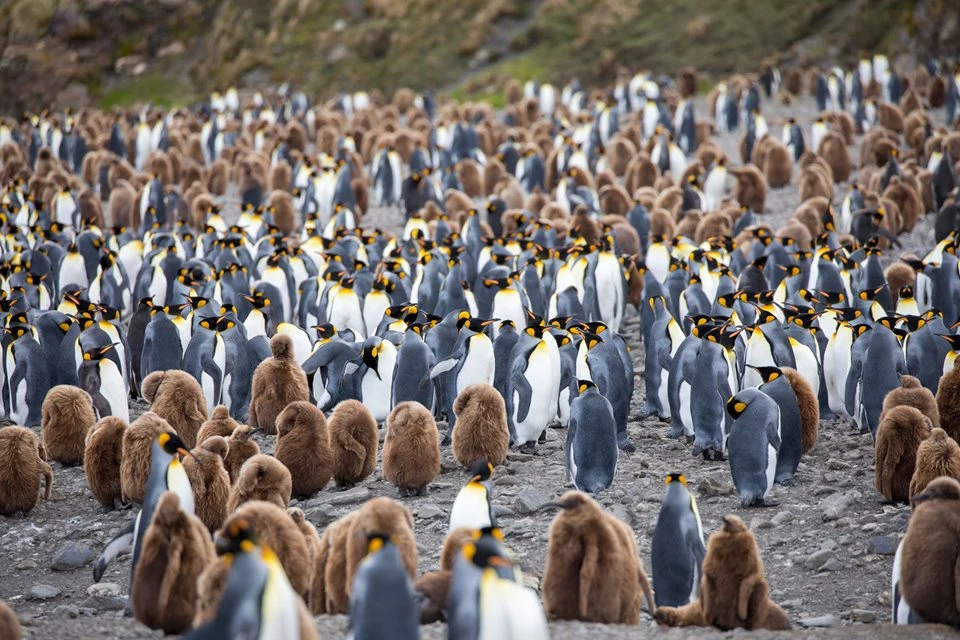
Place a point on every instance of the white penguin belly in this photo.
(470, 509)
(539, 414)
(373, 309)
(509, 611)
(563, 408)
(113, 389)
(206, 380)
(686, 413)
(507, 305)
(179, 483)
(279, 615)
(807, 365)
(345, 313)
(22, 411)
(73, 271)
(478, 365)
(771, 468)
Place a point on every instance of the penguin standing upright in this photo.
(382, 603)
(379, 359)
(27, 376)
(414, 361)
(101, 378)
(753, 444)
(777, 386)
(591, 447)
(472, 507)
(677, 549)
(530, 387)
(878, 373)
(471, 361)
(166, 474)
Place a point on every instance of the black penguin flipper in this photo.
(122, 542)
(522, 385)
(773, 435)
(853, 381)
(211, 369)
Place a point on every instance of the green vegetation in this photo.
(152, 89)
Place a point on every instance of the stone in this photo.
(104, 596)
(884, 545)
(832, 565)
(72, 555)
(337, 54)
(322, 515)
(836, 505)
(782, 518)
(622, 513)
(350, 496)
(862, 615)
(818, 622)
(711, 486)
(429, 512)
(173, 49)
(502, 511)
(66, 611)
(530, 500)
(817, 559)
(43, 592)
(25, 565)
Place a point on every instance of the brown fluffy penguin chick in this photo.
(331, 563)
(481, 432)
(911, 393)
(65, 417)
(899, 435)
(178, 398)
(276, 529)
(277, 381)
(354, 440)
(210, 481)
(593, 571)
(218, 424)
(938, 455)
(733, 589)
(240, 448)
(313, 601)
(303, 446)
(262, 478)
(386, 516)
(22, 463)
(411, 452)
(135, 462)
(929, 555)
(176, 549)
(899, 275)
(284, 213)
(102, 459)
(948, 401)
(809, 407)
(9, 624)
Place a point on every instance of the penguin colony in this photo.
(497, 309)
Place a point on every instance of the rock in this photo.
(884, 545)
(530, 500)
(173, 49)
(31, 17)
(350, 496)
(429, 512)
(43, 592)
(711, 486)
(322, 515)
(506, 481)
(782, 518)
(129, 64)
(66, 611)
(25, 565)
(817, 559)
(104, 596)
(72, 555)
(862, 615)
(829, 544)
(501, 511)
(622, 513)
(818, 622)
(832, 565)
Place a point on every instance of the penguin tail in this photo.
(123, 542)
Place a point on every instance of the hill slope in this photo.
(169, 51)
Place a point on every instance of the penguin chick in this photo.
(382, 601)
(899, 435)
(240, 448)
(733, 589)
(948, 401)
(809, 407)
(177, 397)
(911, 393)
(277, 530)
(354, 440)
(218, 424)
(277, 381)
(593, 571)
(284, 213)
(303, 447)
(102, 458)
(66, 417)
(9, 624)
(387, 517)
(22, 462)
(928, 579)
(312, 538)
(482, 432)
(135, 461)
(263, 478)
(209, 480)
(331, 564)
(938, 455)
(176, 549)
(411, 453)
(432, 590)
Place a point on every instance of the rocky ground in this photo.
(828, 543)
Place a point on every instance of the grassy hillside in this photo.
(170, 51)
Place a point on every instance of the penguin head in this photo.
(675, 477)
(480, 471)
(534, 331)
(97, 353)
(489, 531)
(942, 488)
(371, 356)
(172, 444)
(585, 386)
(325, 331)
(237, 537)
(376, 541)
(736, 406)
(768, 374)
(487, 552)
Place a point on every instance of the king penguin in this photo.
(530, 387)
(778, 387)
(101, 378)
(472, 507)
(677, 549)
(382, 601)
(753, 443)
(591, 447)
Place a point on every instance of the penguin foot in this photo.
(445, 440)
(626, 445)
(345, 486)
(543, 437)
(410, 493)
(711, 455)
(767, 502)
(787, 481)
(675, 433)
(647, 411)
(528, 447)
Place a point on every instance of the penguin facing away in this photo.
(591, 446)
(677, 549)
(382, 601)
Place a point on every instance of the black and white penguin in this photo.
(753, 444)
